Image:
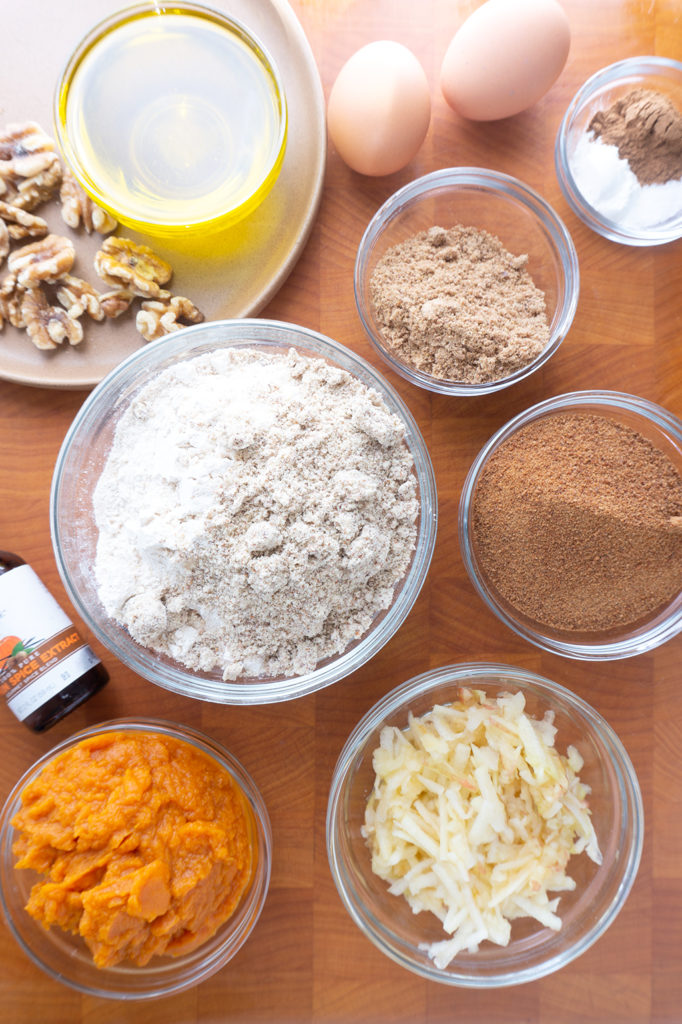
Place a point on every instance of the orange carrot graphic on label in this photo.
(12, 648)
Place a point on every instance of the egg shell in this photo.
(505, 57)
(379, 108)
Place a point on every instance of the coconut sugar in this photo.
(576, 524)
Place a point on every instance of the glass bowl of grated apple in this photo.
(484, 825)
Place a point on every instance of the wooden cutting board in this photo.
(306, 961)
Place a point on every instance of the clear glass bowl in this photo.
(84, 453)
(586, 912)
(622, 224)
(66, 958)
(661, 428)
(496, 203)
(174, 119)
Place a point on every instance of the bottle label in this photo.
(41, 651)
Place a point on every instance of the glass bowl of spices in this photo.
(161, 911)
(456, 858)
(172, 118)
(466, 281)
(618, 152)
(244, 512)
(570, 525)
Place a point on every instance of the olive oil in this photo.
(172, 118)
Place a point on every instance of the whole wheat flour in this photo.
(255, 513)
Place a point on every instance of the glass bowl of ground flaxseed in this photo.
(466, 281)
(618, 152)
(570, 525)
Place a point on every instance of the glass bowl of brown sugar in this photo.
(570, 525)
(466, 281)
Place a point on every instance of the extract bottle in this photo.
(46, 668)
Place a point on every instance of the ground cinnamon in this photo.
(574, 523)
(646, 127)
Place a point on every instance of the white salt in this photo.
(608, 184)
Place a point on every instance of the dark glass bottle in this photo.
(46, 668)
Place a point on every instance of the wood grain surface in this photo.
(306, 960)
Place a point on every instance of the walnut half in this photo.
(157, 318)
(48, 326)
(20, 223)
(78, 208)
(78, 297)
(121, 263)
(47, 260)
(31, 192)
(25, 150)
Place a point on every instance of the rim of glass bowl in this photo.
(277, 336)
(635, 68)
(645, 638)
(482, 180)
(136, 11)
(473, 674)
(162, 976)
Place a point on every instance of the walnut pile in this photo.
(137, 271)
(31, 174)
(40, 294)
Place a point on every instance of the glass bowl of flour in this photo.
(244, 512)
(618, 152)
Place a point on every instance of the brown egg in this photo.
(379, 108)
(505, 57)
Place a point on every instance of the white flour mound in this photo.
(255, 513)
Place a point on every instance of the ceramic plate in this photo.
(224, 280)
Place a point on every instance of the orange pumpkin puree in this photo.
(144, 841)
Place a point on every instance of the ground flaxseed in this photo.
(575, 523)
(455, 304)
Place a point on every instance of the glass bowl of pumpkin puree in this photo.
(135, 859)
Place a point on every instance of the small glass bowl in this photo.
(173, 119)
(661, 428)
(598, 209)
(84, 453)
(586, 912)
(493, 202)
(66, 958)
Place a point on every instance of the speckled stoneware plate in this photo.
(223, 280)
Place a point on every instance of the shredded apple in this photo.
(143, 841)
(474, 816)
